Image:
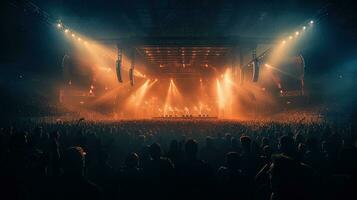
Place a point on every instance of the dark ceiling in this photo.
(113, 19)
(200, 24)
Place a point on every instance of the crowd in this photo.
(181, 159)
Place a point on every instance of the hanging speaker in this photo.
(131, 76)
(118, 69)
(131, 70)
(255, 70)
(118, 64)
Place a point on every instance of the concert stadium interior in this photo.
(156, 72)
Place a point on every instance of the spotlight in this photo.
(79, 39)
(304, 28)
(66, 31)
(290, 37)
(283, 42)
(311, 22)
(297, 33)
(73, 35)
(59, 25)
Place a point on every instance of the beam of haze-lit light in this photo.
(173, 96)
(279, 70)
(220, 95)
(101, 53)
(139, 94)
(111, 94)
(168, 98)
(227, 89)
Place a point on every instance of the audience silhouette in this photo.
(177, 160)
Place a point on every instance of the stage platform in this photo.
(185, 117)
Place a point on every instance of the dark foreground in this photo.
(187, 159)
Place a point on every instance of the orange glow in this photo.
(216, 94)
(173, 97)
(220, 95)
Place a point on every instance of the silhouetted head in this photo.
(246, 143)
(73, 161)
(191, 148)
(267, 151)
(265, 142)
(228, 137)
(155, 151)
(55, 135)
(283, 173)
(299, 138)
(141, 139)
(312, 144)
(286, 145)
(132, 160)
(233, 160)
(209, 141)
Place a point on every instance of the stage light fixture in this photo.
(79, 39)
(73, 35)
(311, 22)
(283, 42)
(59, 25)
(290, 37)
(66, 31)
(297, 33)
(304, 28)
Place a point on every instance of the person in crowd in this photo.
(250, 162)
(73, 184)
(231, 179)
(287, 147)
(131, 178)
(195, 175)
(159, 172)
